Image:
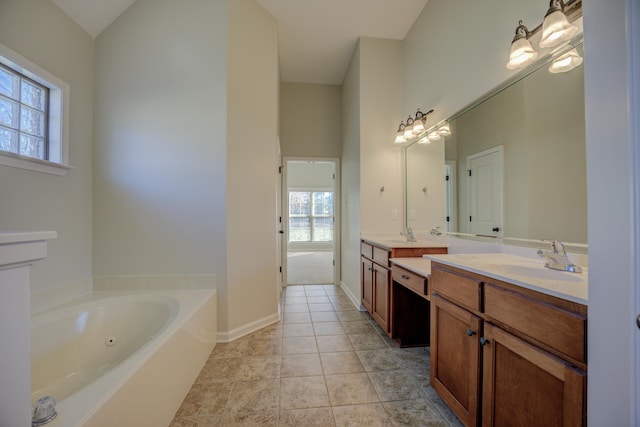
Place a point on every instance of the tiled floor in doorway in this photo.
(325, 364)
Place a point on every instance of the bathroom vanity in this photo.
(508, 340)
(375, 278)
(410, 301)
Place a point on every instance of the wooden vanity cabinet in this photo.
(375, 279)
(381, 297)
(455, 358)
(523, 385)
(366, 287)
(506, 355)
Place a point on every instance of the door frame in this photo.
(336, 214)
(451, 196)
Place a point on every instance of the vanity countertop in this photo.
(527, 272)
(418, 265)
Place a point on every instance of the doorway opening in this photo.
(310, 205)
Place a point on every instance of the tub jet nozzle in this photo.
(44, 410)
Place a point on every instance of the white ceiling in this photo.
(316, 37)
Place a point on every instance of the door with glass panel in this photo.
(310, 218)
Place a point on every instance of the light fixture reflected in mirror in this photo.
(434, 136)
(424, 140)
(400, 134)
(556, 28)
(444, 130)
(522, 53)
(566, 62)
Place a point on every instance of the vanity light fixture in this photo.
(418, 123)
(408, 129)
(412, 128)
(556, 28)
(566, 62)
(424, 140)
(400, 134)
(522, 53)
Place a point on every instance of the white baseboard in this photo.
(248, 328)
(352, 297)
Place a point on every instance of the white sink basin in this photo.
(536, 272)
(523, 271)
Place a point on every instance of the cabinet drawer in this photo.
(463, 290)
(410, 280)
(366, 250)
(381, 256)
(560, 329)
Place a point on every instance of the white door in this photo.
(486, 192)
(279, 225)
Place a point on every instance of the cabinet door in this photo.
(366, 289)
(455, 358)
(381, 300)
(526, 386)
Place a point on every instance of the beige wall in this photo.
(160, 141)
(372, 103)
(350, 179)
(39, 31)
(425, 189)
(310, 120)
(178, 174)
(252, 173)
(556, 156)
(448, 66)
(381, 84)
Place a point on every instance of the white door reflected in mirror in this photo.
(485, 192)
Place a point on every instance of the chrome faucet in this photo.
(408, 233)
(557, 258)
(436, 231)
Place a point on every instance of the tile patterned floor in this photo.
(325, 364)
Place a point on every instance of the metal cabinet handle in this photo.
(370, 268)
(471, 332)
(405, 277)
(484, 341)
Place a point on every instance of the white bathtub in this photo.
(122, 358)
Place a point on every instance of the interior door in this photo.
(280, 224)
(486, 192)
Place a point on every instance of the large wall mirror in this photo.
(524, 144)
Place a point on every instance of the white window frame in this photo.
(58, 119)
(311, 243)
